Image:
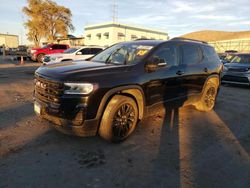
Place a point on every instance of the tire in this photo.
(119, 119)
(40, 58)
(208, 98)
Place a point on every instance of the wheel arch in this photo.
(42, 53)
(215, 78)
(133, 91)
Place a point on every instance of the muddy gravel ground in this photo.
(171, 148)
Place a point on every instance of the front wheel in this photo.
(40, 58)
(119, 119)
(208, 97)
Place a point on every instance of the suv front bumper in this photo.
(236, 78)
(78, 126)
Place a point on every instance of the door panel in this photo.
(164, 84)
(194, 69)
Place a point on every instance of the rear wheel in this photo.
(119, 119)
(208, 97)
(40, 58)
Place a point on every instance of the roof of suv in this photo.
(174, 40)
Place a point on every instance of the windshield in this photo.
(46, 46)
(241, 59)
(70, 50)
(229, 57)
(123, 54)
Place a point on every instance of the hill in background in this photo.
(211, 35)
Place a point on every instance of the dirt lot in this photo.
(184, 148)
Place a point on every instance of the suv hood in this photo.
(74, 70)
(238, 67)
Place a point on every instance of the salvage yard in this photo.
(171, 148)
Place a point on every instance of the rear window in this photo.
(209, 54)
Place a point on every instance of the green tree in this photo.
(47, 20)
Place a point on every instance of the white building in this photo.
(107, 34)
(9, 41)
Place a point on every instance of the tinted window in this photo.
(168, 53)
(59, 47)
(190, 54)
(96, 50)
(241, 59)
(209, 54)
(54, 47)
(62, 47)
(86, 51)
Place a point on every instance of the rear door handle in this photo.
(179, 72)
(205, 70)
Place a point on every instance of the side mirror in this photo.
(79, 53)
(155, 63)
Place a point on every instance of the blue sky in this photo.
(175, 17)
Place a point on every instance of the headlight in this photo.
(78, 88)
(224, 68)
(32, 51)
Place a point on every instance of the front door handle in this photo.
(179, 72)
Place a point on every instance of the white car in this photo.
(72, 54)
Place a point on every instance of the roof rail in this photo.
(187, 39)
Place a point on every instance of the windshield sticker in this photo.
(141, 52)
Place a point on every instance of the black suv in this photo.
(109, 94)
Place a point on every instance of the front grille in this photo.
(48, 91)
(238, 69)
(235, 79)
(46, 59)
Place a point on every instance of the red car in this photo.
(37, 54)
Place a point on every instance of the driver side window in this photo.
(86, 51)
(168, 53)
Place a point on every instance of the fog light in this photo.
(79, 118)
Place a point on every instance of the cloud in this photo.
(175, 17)
(216, 17)
(191, 7)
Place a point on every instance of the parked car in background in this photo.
(74, 53)
(37, 54)
(121, 85)
(238, 70)
(22, 50)
(227, 57)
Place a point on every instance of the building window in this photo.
(89, 36)
(120, 36)
(106, 35)
(99, 36)
(134, 37)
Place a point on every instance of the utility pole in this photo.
(114, 11)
